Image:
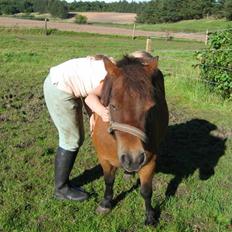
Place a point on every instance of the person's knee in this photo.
(71, 142)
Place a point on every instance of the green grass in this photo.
(28, 141)
(200, 25)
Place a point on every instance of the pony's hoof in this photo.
(151, 220)
(102, 210)
(151, 223)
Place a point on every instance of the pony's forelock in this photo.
(135, 80)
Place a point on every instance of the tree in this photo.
(28, 6)
(10, 6)
(40, 6)
(228, 9)
(58, 9)
(159, 11)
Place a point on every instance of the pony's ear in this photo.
(151, 65)
(111, 68)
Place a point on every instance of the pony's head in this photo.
(128, 92)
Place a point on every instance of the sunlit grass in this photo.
(28, 141)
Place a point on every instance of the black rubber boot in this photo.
(63, 165)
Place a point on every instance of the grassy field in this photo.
(200, 25)
(192, 187)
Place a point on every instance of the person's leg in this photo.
(66, 113)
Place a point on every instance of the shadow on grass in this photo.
(88, 176)
(189, 147)
(123, 194)
(95, 173)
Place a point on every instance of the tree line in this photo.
(57, 8)
(61, 8)
(121, 6)
(160, 11)
(155, 11)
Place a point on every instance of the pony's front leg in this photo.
(109, 175)
(146, 175)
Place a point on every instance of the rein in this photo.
(127, 128)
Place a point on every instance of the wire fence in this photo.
(204, 37)
(218, 67)
(178, 74)
(195, 51)
(187, 77)
(225, 68)
(184, 57)
(220, 30)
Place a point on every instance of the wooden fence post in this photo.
(206, 37)
(149, 45)
(133, 33)
(46, 26)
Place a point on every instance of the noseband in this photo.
(127, 128)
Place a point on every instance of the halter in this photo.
(126, 128)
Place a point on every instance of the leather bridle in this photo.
(126, 128)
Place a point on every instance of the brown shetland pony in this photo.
(135, 95)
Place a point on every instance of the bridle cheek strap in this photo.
(128, 129)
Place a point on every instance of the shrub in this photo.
(215, 63)
(80, 19)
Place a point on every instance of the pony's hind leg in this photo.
(146, 175)
(109, 175)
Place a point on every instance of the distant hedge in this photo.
(215, 63)
(80, 19)
(57, 8)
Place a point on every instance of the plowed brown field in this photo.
(13, 22)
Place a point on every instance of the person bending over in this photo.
(64, 88)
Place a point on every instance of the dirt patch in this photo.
(13, 22)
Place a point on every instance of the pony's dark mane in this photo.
(135, 80)
(135, 77)
(128, 60)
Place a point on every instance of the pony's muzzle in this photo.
(133, 163)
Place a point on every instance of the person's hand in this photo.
(105, 114)
(91, 123)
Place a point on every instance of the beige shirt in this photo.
(78, 76)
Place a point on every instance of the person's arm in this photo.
(91, 124)
(93, 102)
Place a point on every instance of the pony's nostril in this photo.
(141, 158)
(125, 159)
